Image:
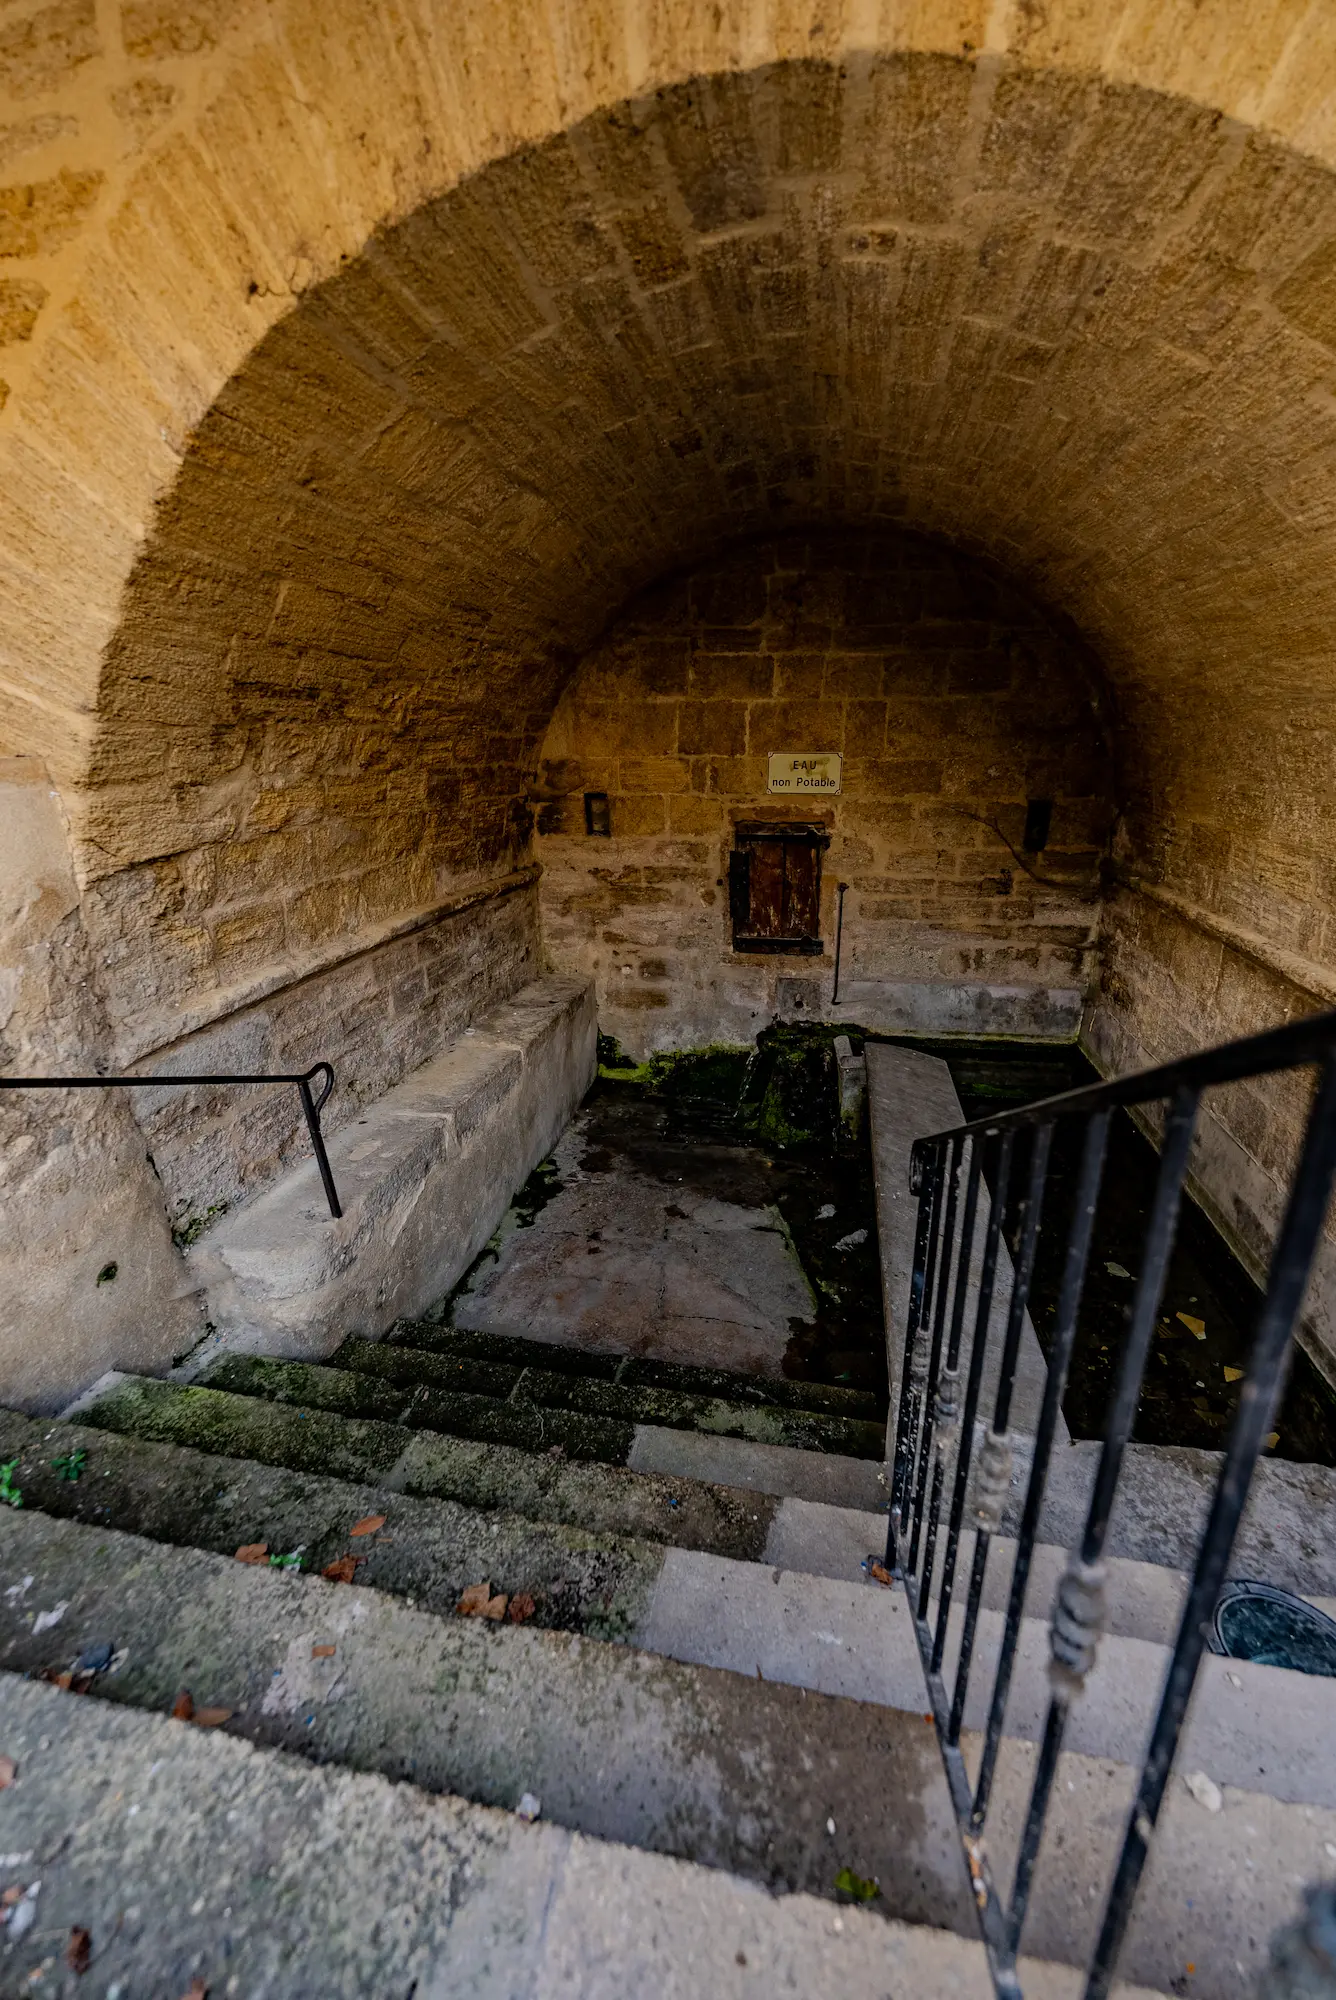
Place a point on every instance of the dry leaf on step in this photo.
(1196, 1327)
(209, 1718)
(344, 1570)
(522, 1608)
(478, 1602)
(253, 1552)
(1233, 1374)
(183, 1708)
(879, 1573)
(9, 1770)
(79, 1950)
(196, 1990)
(322, 1652)
(368, 1524)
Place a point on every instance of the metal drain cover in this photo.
(1259, 1622)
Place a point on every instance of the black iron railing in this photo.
(957, 1175)
(311, 1104)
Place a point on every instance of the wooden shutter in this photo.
(774, 883)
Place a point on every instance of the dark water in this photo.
(1188, 1397)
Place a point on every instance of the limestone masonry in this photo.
(415, 418)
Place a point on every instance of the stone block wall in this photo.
(375, 1014)
(952, 701)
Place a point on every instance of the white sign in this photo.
(805, 771)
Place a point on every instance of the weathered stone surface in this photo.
(374, 391)
(423, 1177)
(282, 1874)
(88, 1274)
(880, 647)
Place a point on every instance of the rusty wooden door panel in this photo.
(802, 889)
(766, 914)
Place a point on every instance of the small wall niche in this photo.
(598, 815)
(1038, 823)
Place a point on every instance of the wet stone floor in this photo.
(684, 1217)
(706, 1208)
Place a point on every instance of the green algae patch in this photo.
(212, 1420)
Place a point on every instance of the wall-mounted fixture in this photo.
(598, 814)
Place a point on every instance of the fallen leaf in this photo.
(478, 1602)
(1272, 1440)
(522, 1608)
(368, 1524)
(253, 1552)
(79, 1950)
(1196, 1327)
(13, 1894)
(1233, 1374)
(1116, 1270)
(9, 1770)
(209, 1718)
(196, 1990)
(183, 1708)
(344, 1570)
(879, 1573)
(322, 1652)
(857, 1886)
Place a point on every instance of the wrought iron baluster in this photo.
(1059, 1358)
(948, 1244)
(946, 1410)
(1001, 1163)
(1287, 1281)
(993, 1484)
(927, 1169)
(1079, 1612)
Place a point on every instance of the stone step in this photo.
(716, 1766)
(212, 1426)
(581, 1581)
(278, 1876)
(504, 1521)
(618, 1398)
(511, 1350)
(588, 1419)
(466, 1469)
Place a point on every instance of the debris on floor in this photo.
(1205, 1790)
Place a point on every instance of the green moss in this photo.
(189, 1231)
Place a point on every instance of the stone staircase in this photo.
(697, 1681)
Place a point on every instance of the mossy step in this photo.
(408, 1386)
(429, 1551)
(342, 1392)
(512, 1350)
(604, 1499)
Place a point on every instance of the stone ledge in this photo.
(936, 1007)
(423, 1177)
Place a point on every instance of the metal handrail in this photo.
(935, 1455)
(311, 1104)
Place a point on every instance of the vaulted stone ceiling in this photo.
(1052, 296)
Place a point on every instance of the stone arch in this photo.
(370, 406)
